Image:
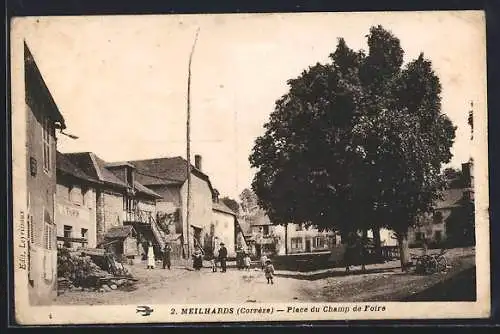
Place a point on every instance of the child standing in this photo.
(247, 261)
(263, 260)
(269, 271)
(213, 264)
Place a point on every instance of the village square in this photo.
(324, 216)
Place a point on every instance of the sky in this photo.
(121, 81)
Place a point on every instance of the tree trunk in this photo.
(404, 254)
(286, 239)
(378, 244)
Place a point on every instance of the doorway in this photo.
(308, 245)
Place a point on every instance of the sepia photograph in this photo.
(250, 167)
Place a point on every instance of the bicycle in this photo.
(431, 263)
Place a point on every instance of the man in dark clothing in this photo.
(166, 256)
(223, 257)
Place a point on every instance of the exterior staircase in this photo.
(155, 230)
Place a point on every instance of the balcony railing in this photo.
(140, 216)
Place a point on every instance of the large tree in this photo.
(357, 143)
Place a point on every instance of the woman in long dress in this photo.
(151, 257)
(197, 259)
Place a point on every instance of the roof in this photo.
(119, 232)
(173, 169)
(259, 219)
(166, 171)
(65, 165)
(145, 190)
(151, 180)
(106, 174)
(38, 90)
(119, 164)
(451, 198)
(95, 167)
(222, 207)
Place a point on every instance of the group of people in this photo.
(165, 256)
(221, 257)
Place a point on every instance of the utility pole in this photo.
(470, 120)
(188, 147)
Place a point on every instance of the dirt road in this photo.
(179, 285)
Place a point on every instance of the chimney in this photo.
(197, 161)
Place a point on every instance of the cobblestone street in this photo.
(383, 282)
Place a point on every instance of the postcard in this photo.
(249, 167)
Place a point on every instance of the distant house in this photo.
(168, 178)
(42, 120)
(76, 205)
(224, 227)
(306, 239)
(120, 200)
(452, 222)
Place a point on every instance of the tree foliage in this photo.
(231, 203)
(356, 142)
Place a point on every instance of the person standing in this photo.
(223, 257)
(425, 245)
(197, 259)
(213, 264)
(263, 261)
(151, 256)
(247, 261)
(166, 256)
(269, 272)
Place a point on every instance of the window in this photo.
(265, 230)
(76, 195)
(419, 236)
(68, 233)
(318, 242)
(48, 236)
(296, 243)
(47, 132)
(85, 233)
(298, 227)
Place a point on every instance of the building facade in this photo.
(305, 239)
(119, 200)
(223, 228)
(452, 222)
(168, 178)
(76, 205)
(42, 120)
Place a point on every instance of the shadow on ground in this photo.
(336, 273)
(460, 287)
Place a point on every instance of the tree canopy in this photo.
(231, 203)
(356, 142)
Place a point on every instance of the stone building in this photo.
(168, 178)
(42, 120)
(76, 205)
(120, 200)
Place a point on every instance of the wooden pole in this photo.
(286, 239)
(188, 147)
